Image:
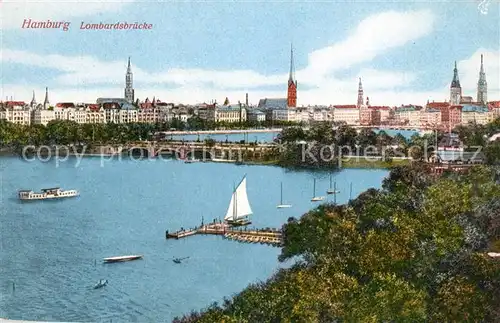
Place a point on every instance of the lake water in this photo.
(261, 137)
(51, 251)
(264, 137)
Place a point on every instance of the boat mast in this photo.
(350, 192)
(330, 180)
(281, 197)
(234, 203)
(314, 188)
(335, 193)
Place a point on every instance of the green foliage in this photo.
(210, 142)
(406, 253)
(65, 132)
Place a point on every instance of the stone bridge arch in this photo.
(200, 154)
(138, 152)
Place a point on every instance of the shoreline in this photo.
(345, 164)
(219, 132)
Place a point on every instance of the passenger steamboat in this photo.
(46, 194)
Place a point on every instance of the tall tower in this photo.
(360, 94)
(291, 98)
(482, 86)
(455, 88)
(46, 101)
(129, 89)
(33, 100)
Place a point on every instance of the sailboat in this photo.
(239, 208)
(281, 205)
(316, 198)
(334, 189)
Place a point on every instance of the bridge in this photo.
(396, 127)
(188, 150)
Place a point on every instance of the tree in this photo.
(366, 137)
(492, 153)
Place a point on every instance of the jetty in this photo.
(268, 236)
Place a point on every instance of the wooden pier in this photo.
(265, 236)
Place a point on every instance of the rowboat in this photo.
(122, 258)
(101, 283)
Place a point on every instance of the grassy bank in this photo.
(364, 163)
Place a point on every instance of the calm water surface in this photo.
(52, 251)
(264, 137)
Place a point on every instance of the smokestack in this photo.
(246, 99)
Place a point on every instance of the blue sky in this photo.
(198, 51)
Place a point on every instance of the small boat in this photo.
(239, 208)
(316, 198)
(101, 283)
(494, 254)
(334, 189)
(46, 194)
(190, 161)
(281, 205)
(122, 258)
(179, 260)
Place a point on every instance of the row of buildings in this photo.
(446, 115)
(114, 110)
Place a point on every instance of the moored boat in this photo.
(316, 198)
(46, 194)
(282, 205)
(334, 189)
(122, 258)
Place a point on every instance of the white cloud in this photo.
(15, 11)
(468, 72)
(373, 36)
(198, 94)
(317, 82)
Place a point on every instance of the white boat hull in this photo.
(283, 206)
(31, 196)
(317, 199)
(332, 192)
(122, 258)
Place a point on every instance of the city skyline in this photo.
(397, 50)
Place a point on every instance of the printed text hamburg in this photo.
(64, 25)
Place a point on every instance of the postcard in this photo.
(249, 161)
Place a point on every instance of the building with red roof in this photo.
(451, 117)
(437, 105)
(13, 104)
(65, 105)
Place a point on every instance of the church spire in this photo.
(455, 82)
(291, 77)
(360, 93)
(292, 83)
(482, 85)
(33, 100)
(129, 87)
(455, 88)
(46, 101)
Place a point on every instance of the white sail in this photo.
(239, 207)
